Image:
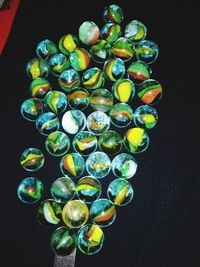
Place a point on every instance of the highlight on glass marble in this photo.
(36, 68)
(124, 166)
(88, 32)
(85, 142)
(56, 102)
(47, 123)
(39, 87)
(31, 109)
(138, 72)
(63, 189)
(123, 90)
(69, 79)
(110, 142)
(46, 49)
(57, 143)
(145, 117)
(101, 51)
(111, 32)
(121, 115)
(73, 121)
(49, 212)
(101, 99)
(124, 49)
(98, 122)
(136, 31)
(68, 43)
(32, 159)
(78, 98)
(98, 164)
(58, 63)
(93, 78)
(114, 69)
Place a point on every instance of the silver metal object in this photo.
(68, 261)
(1, 3)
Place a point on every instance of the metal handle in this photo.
(67, 261)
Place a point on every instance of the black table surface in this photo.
(161, 227)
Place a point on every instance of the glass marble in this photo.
(114, 69)
(39, 88)
(57, 143)
(73, 121)
(135, 31)
(63, 189)
(121, 115)
(150, 92)
(88, 189)
(136, 140)
(101, 51)
(123, 90)
(75, 214)
(124, 49)
(138, 72)
(31, 109)
(120, 192)
(49, 212)
(37, 68)
(88, 32)
(98, 122)
(103, 212)
(113, 13)
(93, 78)
(124, 166)
(111, 32)
(101, 99)
(30, 190)
(79, 59)
(110, 143)
(63, 241)
(98, 165)
(78, 98)
(46, 49)
(56, 102)
(145, 117)
(147, 51)
(32, 159)
(90, 239)
(68, 43)
(47, 123)
(69, 79)
(85, 143)
(58, 63)
(72, 165)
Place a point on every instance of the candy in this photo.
(47, 123)
(31, 108)
(57, 143)
(49, 212)
(98, 122)
(73, 121)
(124, 166)
(85, 143)
(114, 69)
(56, 102)
(78, 98)
(79, 59)
(98, 164)
(101, 51)
(63, 189)
(93, 78)
(110, 142)
(145, 117)
(123, 90)
(69, 79)
(101, 99)
(121, 115)
(46, 49)
(32, 159)
(72, 165)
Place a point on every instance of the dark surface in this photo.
(161, 226)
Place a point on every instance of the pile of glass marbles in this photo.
(108, 90)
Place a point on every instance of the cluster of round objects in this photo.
(92, 106)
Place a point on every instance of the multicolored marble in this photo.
(78, 98)
(63, 189)
(69, 79)
(88, 32)
(47, 123)
(101, 51)
(73, 121)
(111, 32)
(88, 189)
(49, 212)
(58, 63)
(135, 31)
(31, 109)
(145, 117)
(124, 49)
(93, 78)
(150, 92)
(147, 51)
(85, 143)
(98, 122)
(90, 239)
(79, 59)
(124, 166)
(68, 43)
(46, 49)
(57, 143)
(123, 90)
(30, 190)
(120, 192)
(136, 140)
(110, 143)
(39, 88)
(138, 72)
(32, 159)
(103, 212)
(63, 241)
(56, 102)
(37, 68)
(113, 13)
(121, 115)
(114, 69)
(75, 214)
(98, 165)
(101, 100)
(72, 165)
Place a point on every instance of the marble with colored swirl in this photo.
(111, 32)
(49, 212)
(32, 159)
(78, 98)
(135, 31)
(93, 78)
(114, 69)
(110, 142)
(31, 109)
(138, 72)
(63, 189)
(46, 49)
(85, 143)
(121, 115)
(37, 68)
(113, 13)
(124, 49)
(68, 43)
(88, 32)
(101, 100)
(123, 90)
(79, 59)
(101, 51)
(58, 63)
(39, 88)
(73, 121)
(47, 123)
(69, 79)
(57, 143)
(56, 102)
(147, 51)
(98, 122)
(145, 117)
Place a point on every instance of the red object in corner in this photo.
(6, 20)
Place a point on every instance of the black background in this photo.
(161, 227)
